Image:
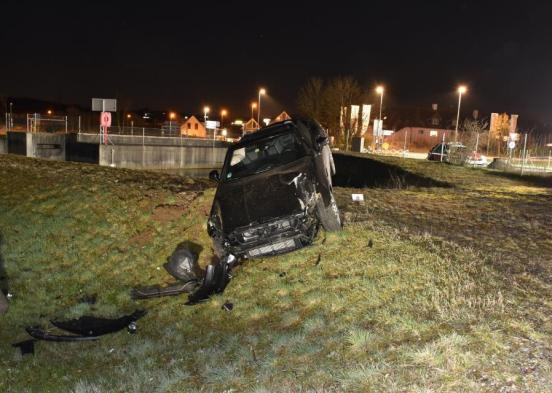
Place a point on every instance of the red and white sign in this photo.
(105, 119)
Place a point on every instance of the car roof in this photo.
(266, 131)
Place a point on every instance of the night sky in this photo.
(180, 56)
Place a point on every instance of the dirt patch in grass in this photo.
(141, 239)
(166, 213)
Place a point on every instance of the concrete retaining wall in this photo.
(17, 143)
(122, 151)
(81, 152)
(151, 140)
(3, 144)
(161, 157)
(46, 146)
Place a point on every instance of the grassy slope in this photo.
(453, 294)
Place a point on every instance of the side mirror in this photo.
(321, 140)
(214, 175)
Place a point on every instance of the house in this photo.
(281, 117)
(418, 138)
(250, 126)
(193, 127)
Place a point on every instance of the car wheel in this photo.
(328, 215)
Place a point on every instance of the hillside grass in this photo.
(425, 289)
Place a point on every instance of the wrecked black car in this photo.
(274, 191)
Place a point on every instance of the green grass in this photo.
(453, 294)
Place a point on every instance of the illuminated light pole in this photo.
(461, 90)
(223, 113)
(253, 107)
(206, 110)
(380, 90)
(129, 116)
(49, 112)
(261, 93)
(172, 116)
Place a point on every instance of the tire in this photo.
(328, 215)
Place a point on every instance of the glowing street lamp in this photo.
(129, 115)
(262, 92)
(172, 115)
(223, 113)
(206, 110)
(380, 90)
(461, 90)
(253, 107)
(49, 112)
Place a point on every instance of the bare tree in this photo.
(472, 132)
(339, 94)
(310, 99)
(330, 104)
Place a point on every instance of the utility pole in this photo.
(461, 90)
(524, 154)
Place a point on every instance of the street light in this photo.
(206, 110)
(49, 112)
(380, 91)
(253, 107)
(261, 93)
(461, 90)
(172, 116)
(11, 116)
(222, 114)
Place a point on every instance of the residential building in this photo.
(193, 127)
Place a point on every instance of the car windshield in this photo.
(263, 155)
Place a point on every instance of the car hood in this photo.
(262, 197)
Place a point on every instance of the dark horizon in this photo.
(182, 57)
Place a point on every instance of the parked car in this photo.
(274, 191)
(456, 153)
(440, 152)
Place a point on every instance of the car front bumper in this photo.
(274, 237)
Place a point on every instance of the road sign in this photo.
(104, 105)
(212, 124)
(105, 119)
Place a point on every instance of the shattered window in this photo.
(264, 155)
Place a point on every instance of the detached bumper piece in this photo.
(158, 291)
(40, 334)
(216, 278)
(86, 328)
(93, 326)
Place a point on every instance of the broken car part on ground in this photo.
(183, 265)
(86, 328)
